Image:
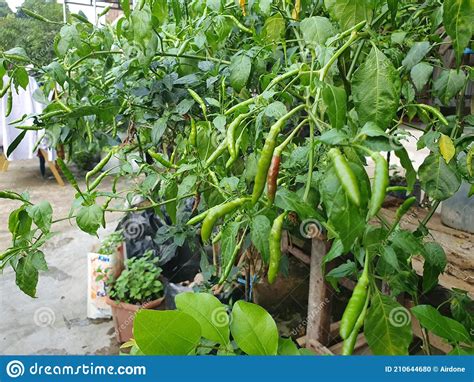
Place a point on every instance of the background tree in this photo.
(4, 9)
(34, 36)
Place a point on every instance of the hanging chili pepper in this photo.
(349, 342)
(267, 154)
(272, 179)
(217, 212)
(9, 103)
(193, 133)
(380, 184)
(345, 175)
(275, 247)
(159, 158)
(356, 303)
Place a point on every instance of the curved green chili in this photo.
(275, 247)
(159, 158)
(380, 184)
(345, 175)
(217, 212)
(98, 168)
(349, 342)
(356, 303)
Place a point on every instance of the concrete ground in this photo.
(55, 322)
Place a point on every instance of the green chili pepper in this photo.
(5, 88)
(345, 175)
(198, 218)
(275, 247)
(231, 142)
(97, 181)
(403, 209)
(217, 153)
(68, 174)
(193, 133)
(356, 303)
(9, 103)
(433, 111)
(349, 342)
(380, 184)
(11, 195)
(99, 166)
(159, 158)
(199, 100)
(217, 212)
(267, 154)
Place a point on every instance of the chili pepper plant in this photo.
(271, 114)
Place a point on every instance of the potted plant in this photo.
(137, 287)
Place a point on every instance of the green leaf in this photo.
(160, 10)
(440, 325)
(376, 89)
(458, 20)
(27, 274)
(289, 201)
(448, 85)
(387, 326)
(41, 214)
(20, 77)
(316, 30)
(169, 332)
(435, 262)
(171, 191)
(274, 28)
(416, 53)
(228, 242)
(439, 179)
(420, 75)
(333, 137)
(158, 129)
(286, 346)
(125, 5)
(390, 257)
(405, 161)
(240, 69)
(254, 329)
(260, 230)
(89, 218)
(335, 99)
(209, 312)
(346, 219)
(16, 142)
(349, 13)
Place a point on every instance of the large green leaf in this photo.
(27, 271)
(274, 28)
(435, 262)
(168, 332)
(260, 231)
(335, 99)
(458, 19)
(387, 326)
(209, 312)
(41, 214)
(254, 329)
(89, 218)
(349, 13)
(420, 74)
(448, 84)
(416, 54)
(376, 89)
(405, 161)
(240, 69)
(440, 325)
(439, 179)
(316, 30)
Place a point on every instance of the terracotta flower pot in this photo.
(124, 313)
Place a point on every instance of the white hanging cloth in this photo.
(23, 103)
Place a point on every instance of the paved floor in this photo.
(55, 322)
